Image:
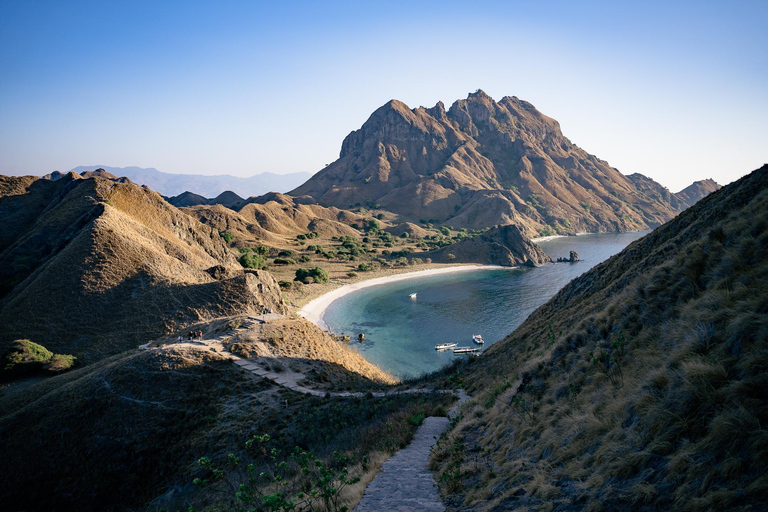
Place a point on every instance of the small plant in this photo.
(299, 482)
(227, 236)
(608, 359)
(551, 334)
(235, 323)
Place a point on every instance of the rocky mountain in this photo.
(483, 163)
(228, 199)
(500, 245)
(639, 386)
(169, 184)
(93, 267)
(693, 193)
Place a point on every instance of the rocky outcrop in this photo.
(501, 245)
(697, 191)
(483, 163)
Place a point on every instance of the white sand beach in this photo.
(315, 309)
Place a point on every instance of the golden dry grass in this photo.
(642, 383)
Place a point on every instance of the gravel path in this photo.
(405, 482)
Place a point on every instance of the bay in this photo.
(401, 333)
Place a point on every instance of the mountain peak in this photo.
(484, 160)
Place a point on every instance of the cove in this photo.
(401, 333)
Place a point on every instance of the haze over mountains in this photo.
(169, 184)
(483, 163)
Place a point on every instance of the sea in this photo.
(401, 332)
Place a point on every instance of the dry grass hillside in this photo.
(277, 217)
(296, 345)
(483, 163)
(92, 267)
(640, 386)
(124, 434)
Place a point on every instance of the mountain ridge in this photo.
(483, 161)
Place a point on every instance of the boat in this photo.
(413, 295)
(445, 346)
(478, 338)
(465, 350)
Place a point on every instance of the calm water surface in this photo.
(401, 333)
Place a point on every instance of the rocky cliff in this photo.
(482, 163)
(501, 245)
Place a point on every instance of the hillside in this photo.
(479, 164)
(169, 184)
(698, 190)
(125, 433)
(639, 386)
(92, 267)
(276, 219)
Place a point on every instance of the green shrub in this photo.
(547, 231)
(26, 357)
(284, 261)
(227, 237)
(304, 259)
(251, 260)
(286, 253)
(285, 285)
(318, 274)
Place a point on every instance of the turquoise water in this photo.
(401, 333)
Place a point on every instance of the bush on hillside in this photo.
(227, 237)
(317, 274)
(251, 260)
(26, 357)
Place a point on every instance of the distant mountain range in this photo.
(208, 186)
(482, 163)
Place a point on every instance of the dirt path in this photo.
(287, 379)
(405, 481)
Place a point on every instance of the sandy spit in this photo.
(315, 309)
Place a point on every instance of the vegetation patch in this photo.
(25, 357)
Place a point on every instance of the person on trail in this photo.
(200, 334)
(179, 340)
(191, 335)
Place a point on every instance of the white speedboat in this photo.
(413, 295)
(477, 338)
(445, 346)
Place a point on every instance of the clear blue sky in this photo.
(675, 90)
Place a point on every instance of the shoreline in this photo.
(315, 309)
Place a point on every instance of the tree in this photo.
(251, 260)
(317, 274)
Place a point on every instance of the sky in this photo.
(674, 90)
